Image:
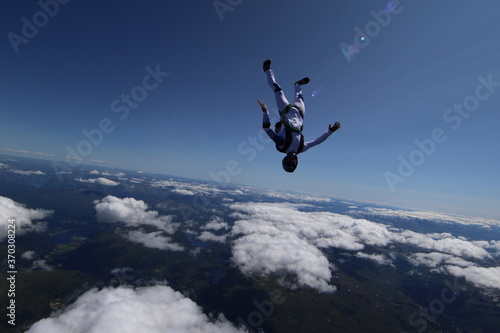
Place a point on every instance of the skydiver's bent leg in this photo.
(281, 101)
(299, 98)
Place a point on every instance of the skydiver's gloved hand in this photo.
(335, 127)
(262, 105)
(266, 123)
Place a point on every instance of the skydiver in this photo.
(288, 135)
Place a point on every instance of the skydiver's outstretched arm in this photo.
(266, 125)
(322, 138)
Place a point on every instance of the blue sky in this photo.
(198, 115)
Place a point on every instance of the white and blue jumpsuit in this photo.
(292, 118)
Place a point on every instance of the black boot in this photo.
(267, 64)
(303, 81)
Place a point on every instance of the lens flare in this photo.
(317, 91)
(390, 7)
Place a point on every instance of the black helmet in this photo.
(290, 162)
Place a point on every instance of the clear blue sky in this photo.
(400, 85)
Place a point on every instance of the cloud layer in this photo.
(424, 215)
(100, 181)
(277, 238)
(156, 309)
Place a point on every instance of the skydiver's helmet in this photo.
(290, 162)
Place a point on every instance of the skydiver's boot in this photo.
(267, 65)
(303, 81)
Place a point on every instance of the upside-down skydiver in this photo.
(287, 134)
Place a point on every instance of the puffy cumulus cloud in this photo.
(436, 259)
(208, 236)
(483, 277)
(183, 191)
(323, 229)
(216, 223)
(135, 213)
(94, 172)
(41, 265)
(445, 243)
(118, 174)
(493, 246)
(378, 258)
(106, 182)
(155, 240)
(263, 254)
(274, 238)
(268, 235)
(100, 181)
(28, 255)
(156, 309)
(23, 216)
(131, 212)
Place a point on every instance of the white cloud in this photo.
(106, 182)
(94, 172)
(378, 258)
(492, 245)
(135, 213)
(183, 191)
(100, 181)
(121, 270)
(263, 254)
(425, 215)
(132, 212)
(155, 309)
(208, 236)
(485, 277)
(24, 217)
(41, 265)
(278, 237)
(28, 172)
(296, 196)
(118, 174)
(269, 235)
(28, 255)
(446, 243)
(21, 172)
(193, 188)
(436, 259)
(154, 240)
(216, 223)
